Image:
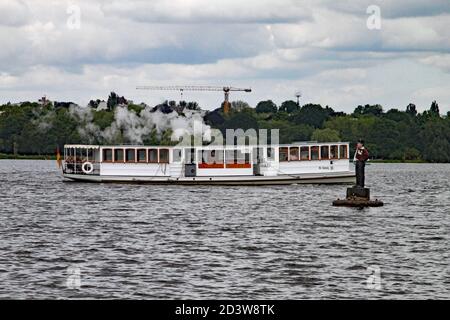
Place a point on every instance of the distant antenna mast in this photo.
(298, 94)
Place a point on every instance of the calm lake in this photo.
(72, 240)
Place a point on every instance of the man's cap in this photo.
(361, 141)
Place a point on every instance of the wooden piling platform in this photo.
(357, 203)
(358, 197)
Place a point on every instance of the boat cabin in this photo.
(206, 161)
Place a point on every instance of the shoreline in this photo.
(6, 156)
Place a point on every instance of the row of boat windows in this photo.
(136, 155)
(329, 152)
(229, 156)
(313, 153)
(223, 156)
(162, 155)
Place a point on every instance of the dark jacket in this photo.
(361, 154)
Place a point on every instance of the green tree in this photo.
(375, 110)
(239, 120)
(103, 118)
(434, 109)
(438, 151)
(288, 132)
(289, 106)
(411, 109)
(435, 140)
(411, 154)
(12, 122)
(135, 107)
(267, 106)
(325, 135)
(239, 105)
(312, 114)
(396, 115)
(34, 129)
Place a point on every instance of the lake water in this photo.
(73, 240)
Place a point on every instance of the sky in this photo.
(337, 53)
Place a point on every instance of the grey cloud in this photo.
(205, 11)
(273, 46)
(14, 13)
(392, 9)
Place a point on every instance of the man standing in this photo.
(361, 156)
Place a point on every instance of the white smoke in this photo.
(130, 127)
(86, 128)
(102, 105)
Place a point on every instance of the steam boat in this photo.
(306, 162)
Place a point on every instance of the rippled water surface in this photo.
(277, 242)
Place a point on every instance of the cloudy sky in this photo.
(323, 48)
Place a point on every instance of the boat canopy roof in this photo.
(207, 147)
(81, 146)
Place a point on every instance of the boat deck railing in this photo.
(77, 168)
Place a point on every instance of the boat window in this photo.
(325, 152)
(210, 159)
(315, 153)
(118, 155)
(176, 154)
(304, 153)
(293, 153)
(142, 155)
(68, 153)
(211, 156)
(242, 157)
(202, 156)
(163, 155)
(237, 156)
(270, 154)
(90, 155)
(153, 155)
(79, 157)
(107, 155)
(130, 155)
(216, 156)
(230, 156)
(237, 159)
(284, 154)
(343, 152)
(333, 152)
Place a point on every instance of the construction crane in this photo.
(226, 91)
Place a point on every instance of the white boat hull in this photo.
(311, 178)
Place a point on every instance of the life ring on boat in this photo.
(89, 169)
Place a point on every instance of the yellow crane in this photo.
(181, 89)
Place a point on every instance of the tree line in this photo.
(407, 135)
